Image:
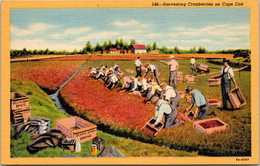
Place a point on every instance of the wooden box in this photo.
(153, 130)
(76, 128)
(209, 126)
(202, 66)
(19, 101)
(179, 76)
(21, 115)
(214, 82)
(214, 103)
(189, 99)
(236, 97)
(188, 116)
(99, 142)
(190, 78)
(68, 144)
(182, 94)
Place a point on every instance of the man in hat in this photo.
(164, 108)
(140, 86)
(226, 76)
(100, 74)
(153, 90)
(138, 66)
(192, 66)
(154, 71)
(113, 81)
(174, 65)
(202, 104)
(170, 94)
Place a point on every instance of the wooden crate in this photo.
(68, 143)
(190, 78)
(179, 76)
(214, 82)
(156, 129)
(189, 99)
(21, 115)
(214, 103)
(99, 142)
(188, 116)
(202, 66)
(182, 94)
(236, 97)
(18, 101)
(209, 126)
(76, 128)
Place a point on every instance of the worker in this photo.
(100, 74)
(174, 65)
(154, 71)
(170, 94)
(153, 90)
(113, 81)
(116, 68)
(128, 83)
(140, 86)
(138, 68)
(202, 104)
(193, 66)
(226, 75)
(164, 108)
(93, 72)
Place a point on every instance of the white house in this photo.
(112, 50)
(139, 49)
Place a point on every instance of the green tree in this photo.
(121, 43)
(176, 50)
(193, 50)
(126, 46)
(132, 42)
(87, 48)
(148, 48)
(97, 47)
(105, 46)
(110, 44)
(164, 49)
(201, 50)
(46, 51)
(117, 46)
(155, 46)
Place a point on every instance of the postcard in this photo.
(129, 82)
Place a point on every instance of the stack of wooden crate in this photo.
(20, 108)
(179, 76)
(190, 79)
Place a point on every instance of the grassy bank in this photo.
(42, 106)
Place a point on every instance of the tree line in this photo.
(119, 45)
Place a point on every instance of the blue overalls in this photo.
(225, 87)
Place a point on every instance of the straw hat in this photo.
(163, 85)
(172, 57)
(226, 60)
(146, 65)
(188, 89)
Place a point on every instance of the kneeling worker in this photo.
(202, 104)
(164, 108)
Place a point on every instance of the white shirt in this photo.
(169, 93)
(113, 78)
(230, 71)
(142, 83)
(93, 70)
(173, 65)
(138, 63)
(192, 60)
(160, 109)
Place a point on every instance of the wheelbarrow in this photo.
(153, 130)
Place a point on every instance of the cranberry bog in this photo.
(124, 115)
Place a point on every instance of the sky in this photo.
(69, 29)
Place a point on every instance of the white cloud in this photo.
(131, 23)
(158, 35)
(31, 29)
(98, 35)
(217, 30)
(71, 31)
(136, 31)
(31, 44)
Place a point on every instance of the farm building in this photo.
(124, 51)
(112, 50)
(139, 48)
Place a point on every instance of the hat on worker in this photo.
(154, 99)
(172, 57)
(226, 60)
(163, 85)
(146, 65)
(188, 89)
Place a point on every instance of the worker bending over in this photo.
(202, 104)
(174, 65)
(140, 86)
(226, 76)
(171, 95)
(153, 90)
(100, 74)
(113, 81)
(164, 108)
(154, 71)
